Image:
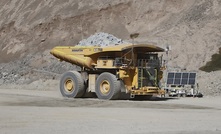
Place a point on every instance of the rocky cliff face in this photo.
(29, 29)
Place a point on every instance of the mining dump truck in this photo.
(111, 71)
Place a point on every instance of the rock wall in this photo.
(29, 29)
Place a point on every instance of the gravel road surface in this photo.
(34, 112)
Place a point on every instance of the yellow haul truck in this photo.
(110, 71)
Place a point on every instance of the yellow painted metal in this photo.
(75, 57)
(86, 56)
(105, 87)
(123, 47)
(145, 91)
(89, 57)
(107, 64)
(69, 85)
(130, 78)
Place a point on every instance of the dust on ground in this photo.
(34, 111)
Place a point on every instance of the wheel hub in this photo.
(69, 85)
(105, 87)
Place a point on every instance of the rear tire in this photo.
(72, 84)
(107, 86)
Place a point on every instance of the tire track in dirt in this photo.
(37, 101)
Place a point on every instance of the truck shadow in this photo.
(154, 99)
(136, 98)
(146, 98)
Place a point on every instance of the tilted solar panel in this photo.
(181, 78)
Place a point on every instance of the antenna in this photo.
(168, 49)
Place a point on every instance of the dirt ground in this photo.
(33, 111)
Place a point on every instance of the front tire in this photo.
(107, 86)
(72, 84)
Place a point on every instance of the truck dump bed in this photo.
(86, 56)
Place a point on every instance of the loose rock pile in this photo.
(211, 86)
(42, 65)
(32, 68)
(101, 39)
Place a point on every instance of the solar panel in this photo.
(177, 81)
(170, 81)
(191, 81)
(171, 75)
(185, 75)
(192, 75)
(181, 78)
(177, 75)
(184, 82)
